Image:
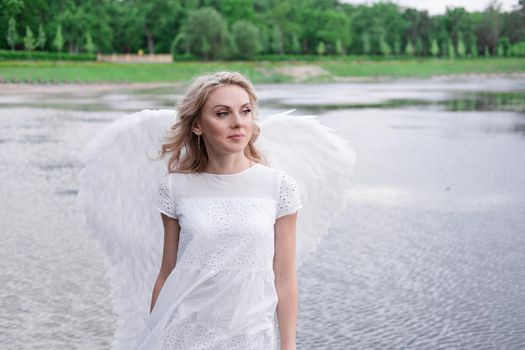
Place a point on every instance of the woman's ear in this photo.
(196, 127)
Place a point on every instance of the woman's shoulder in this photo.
(275, 172)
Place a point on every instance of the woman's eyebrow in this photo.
(229, 106)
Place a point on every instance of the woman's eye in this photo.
(222, 114)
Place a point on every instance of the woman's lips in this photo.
(236, 137)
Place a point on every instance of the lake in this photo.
(429, 254)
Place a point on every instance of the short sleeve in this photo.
(164, 201)
(289, 200)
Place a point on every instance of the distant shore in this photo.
(56, 73)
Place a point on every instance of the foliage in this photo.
(384, 47)
(434, 49)
(409, 48)
(58, 43)
(321, 48)
(206, 34)
(473, 48)
(451, 51)
(45, 56)
(89, 45)
(12, 35)
(29, 40)
(41, 41)
(210, 29)
(277, 40)
(461, 49)
(339, 49)
(246, 37)
(366, 43)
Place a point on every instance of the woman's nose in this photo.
(237, 119)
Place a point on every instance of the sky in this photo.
(436, 7)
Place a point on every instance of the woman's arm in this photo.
(169, 254)
(286, 279)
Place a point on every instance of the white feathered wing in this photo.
(119, 184)
(322, 164)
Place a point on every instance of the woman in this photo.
(228, 263)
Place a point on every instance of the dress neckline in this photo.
(233, 174)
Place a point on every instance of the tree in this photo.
(158, 20)
(41, 41)
(488, 30)
(321, 48)
(500, 51)
(457, 21)
(205, 48)
(277, 41)
(461, 49)
(369, 23)
(384, 48)
(128, 28)
(289, 26)
(418, 29)
(504, 46)
(513, 26)
(339, 49)
(89, 46)
(58, 42)
(409, 48)
(419, 47)
(206, 34)
(29, 41)
(237, 10)
(12, 35)
(246, 38)
(180, 40)
(333, 26)
(397, 46)
(434, 48)
(473, 47)
(451, 52)
(296, 45)
(366, 43)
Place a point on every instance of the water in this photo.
(429, 254)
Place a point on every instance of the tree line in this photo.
(225, 29)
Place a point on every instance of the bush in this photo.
(518, 49)
(6, 55)
(184, 57)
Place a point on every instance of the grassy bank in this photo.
(259, 72)
(425, 68)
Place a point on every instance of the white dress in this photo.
(221, 293)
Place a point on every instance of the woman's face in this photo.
(226, 120)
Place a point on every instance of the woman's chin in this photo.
(234, 148)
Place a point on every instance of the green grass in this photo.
(259, 72)
(424, 68)
(40, 71)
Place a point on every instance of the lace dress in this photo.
(221, 294)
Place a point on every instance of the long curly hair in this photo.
(181, 142)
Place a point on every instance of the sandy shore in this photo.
(24, 88)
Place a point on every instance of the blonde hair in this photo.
(181, 141)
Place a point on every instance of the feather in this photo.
(118, 186)
(322, 164)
